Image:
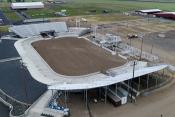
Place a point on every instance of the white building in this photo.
(27, 5)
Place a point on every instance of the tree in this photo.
(9, 0)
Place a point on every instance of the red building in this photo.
(168, 15)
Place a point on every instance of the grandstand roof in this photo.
(35, 29)
(27, 5)
(109, 80)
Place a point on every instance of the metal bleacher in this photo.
(35, 29)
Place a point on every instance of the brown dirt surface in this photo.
(151, 105)
(163, 47)
(73, 56)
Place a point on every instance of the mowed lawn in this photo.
(4, 28)
(5, 8)
(85, 7)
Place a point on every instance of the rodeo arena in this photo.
(81, 67)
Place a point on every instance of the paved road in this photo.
(7, 49)
(17, 82)
(14, 79)
(4, 111)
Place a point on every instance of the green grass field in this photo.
(3, 28)
(82, 7)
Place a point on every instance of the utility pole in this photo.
(132, 81)
(152, 49)
(78, 22)
(129, 41)
(95, 30)
(141, 47)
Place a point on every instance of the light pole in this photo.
(131, 80)
(141, 46)
(152, 49)
(78, 22)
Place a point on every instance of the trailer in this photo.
(114, 99)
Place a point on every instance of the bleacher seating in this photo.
(35, 29)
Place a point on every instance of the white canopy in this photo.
(109, 80)
(150, 10)
(27, 5)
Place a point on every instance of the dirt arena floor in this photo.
(73, 56)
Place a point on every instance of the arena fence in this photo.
(135, 52)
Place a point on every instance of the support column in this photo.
(65, 98)
(86, 98)
(84, 95)
(99, 93)
(106, 94)
(139, 84)
(116, 87)
(68, 96)
(156, 80)
(147, 81)
(128, 86)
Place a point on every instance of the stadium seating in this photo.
(35, 29)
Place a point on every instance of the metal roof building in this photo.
(27, 5)
(149, 11)
(167, 15)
